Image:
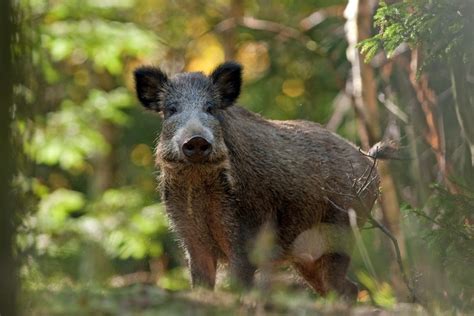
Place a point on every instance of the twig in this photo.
(360, 244)
(368, 183)
(376, 224)
(447, 227)
(367, 155)
(262, 25)
(341, 104)
(336, 206)
(392, 238)
(384, 229)
(356, 180)
(393, 108)
(360, 178)
(338, 193)
(368, 227)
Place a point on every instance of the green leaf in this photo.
(54, 208)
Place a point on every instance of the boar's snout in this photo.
(196, 149)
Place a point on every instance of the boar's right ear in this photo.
(149, 84)
(228, 79)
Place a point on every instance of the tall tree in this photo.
(8, 290)
(364, 91)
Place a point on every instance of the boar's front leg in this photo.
(241, 268)
(242, 271)
(202, 264)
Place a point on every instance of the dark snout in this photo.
(197, 149)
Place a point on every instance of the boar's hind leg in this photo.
(320, 255)
(202, 264)
(328, 274)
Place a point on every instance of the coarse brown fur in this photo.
(295, 176)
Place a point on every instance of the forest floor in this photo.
(140, 299)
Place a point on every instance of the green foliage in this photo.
(446, 226)
(83, 50)
(382, 294)
(176, 279)
(442, 31)
(51, 143)
(442, 28)
(79, 236)
(100, 301)
(105, 43)
(122, 221)
(56, 207)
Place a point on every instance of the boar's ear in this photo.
(228, 79)
(149, 84)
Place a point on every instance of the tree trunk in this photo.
(463, 91)
(229, 36)
(420, 151)
(364, 89)
(434, 133)
(8, 274)
(106, 165)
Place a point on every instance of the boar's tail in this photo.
(387, 150)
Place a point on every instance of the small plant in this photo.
(447, 229)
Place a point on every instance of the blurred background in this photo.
(89, 232)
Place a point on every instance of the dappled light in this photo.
(106, 217)
(205, 54)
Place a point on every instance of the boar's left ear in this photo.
(149, 85)
(228, 79)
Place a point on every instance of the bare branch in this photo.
(394, 241)
(384, 229)
(319, 16)
(367, 182)
(283, 31)
(261, 25)
(341, 104)
(375, 223)
(393, 108)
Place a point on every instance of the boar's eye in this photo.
(170, 110)
(209, 107)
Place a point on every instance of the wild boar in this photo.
(227, 172)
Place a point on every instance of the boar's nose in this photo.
(197, 148)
